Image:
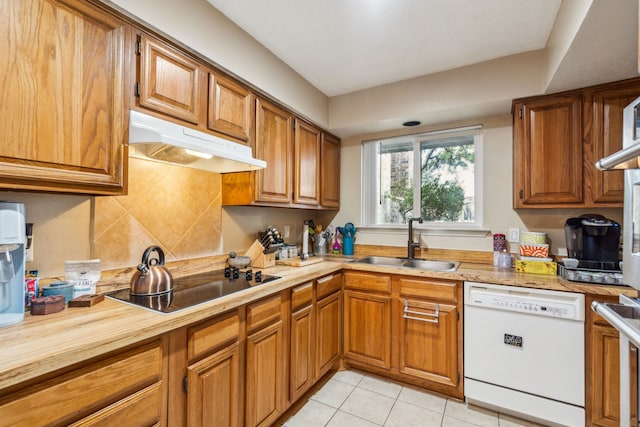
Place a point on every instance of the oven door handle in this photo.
(420, 315)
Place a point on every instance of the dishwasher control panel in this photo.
(540, 302)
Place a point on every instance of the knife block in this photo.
(258, 257)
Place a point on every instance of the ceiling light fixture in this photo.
(411, 123)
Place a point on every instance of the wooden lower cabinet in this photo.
(603, 370)
(421, 344)
(301, 348)
(214, 389)
(126, 388)
(265, 370)
(265, 362)
(428, 333)
(367, 328)
(328, 328)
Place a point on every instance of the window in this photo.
(434, 175)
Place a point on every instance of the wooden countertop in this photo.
(42, 344)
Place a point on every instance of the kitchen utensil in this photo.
(59, 288)
(238, 261)
(151, 277)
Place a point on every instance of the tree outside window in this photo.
(438, 167)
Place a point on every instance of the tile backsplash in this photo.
(176, 208)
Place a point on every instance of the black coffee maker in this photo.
(593, 240)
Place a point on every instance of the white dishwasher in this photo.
(524, 352)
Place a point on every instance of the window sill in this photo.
(429, 230)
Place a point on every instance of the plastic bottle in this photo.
(336, 246)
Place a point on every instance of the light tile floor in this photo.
(354, 399)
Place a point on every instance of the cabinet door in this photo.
(603, 371)
(307, 164)
(547, 152)
(265, 375)
(330, 172)
(328, 325)
(214, 390)
(429, 341)
(230, 108)
(61, 115)
(606, 138)
(273, 145)
(170, 82)
(301, 352)
(367, 328)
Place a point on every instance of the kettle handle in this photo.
(147, 252)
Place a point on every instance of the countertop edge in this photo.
(44, 344)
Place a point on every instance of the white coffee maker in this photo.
(12, 243)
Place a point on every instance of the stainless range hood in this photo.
(155, 139)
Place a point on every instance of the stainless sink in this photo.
(381, 260)
(418, 264)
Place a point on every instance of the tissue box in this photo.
(549, 268)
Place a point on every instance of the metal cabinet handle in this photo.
(419, 315)
(325, 279)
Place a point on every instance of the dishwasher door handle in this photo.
(420, 315)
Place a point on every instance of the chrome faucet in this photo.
(411, 245)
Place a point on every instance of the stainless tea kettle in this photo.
(151, 277)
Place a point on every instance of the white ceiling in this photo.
(341, 46)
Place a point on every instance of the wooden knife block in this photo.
(258, 257)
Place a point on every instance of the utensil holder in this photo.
(258, 257)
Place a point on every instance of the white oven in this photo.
(524, 352)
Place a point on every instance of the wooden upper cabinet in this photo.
(605, 139)
(330, 172)
(558, 138)
(274, 145)
(169, 82)
(547, 156)
(230, 108)
(62, 110)
(307, 164)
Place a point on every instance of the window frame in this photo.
(371, 180)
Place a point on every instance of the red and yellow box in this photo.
(537, 250)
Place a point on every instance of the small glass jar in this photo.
(292, 251)
(283, 252)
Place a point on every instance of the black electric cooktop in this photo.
(192, 290)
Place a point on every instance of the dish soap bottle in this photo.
(336, 246)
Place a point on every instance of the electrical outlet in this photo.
(514, 234)
(28, 253)
(286, 232)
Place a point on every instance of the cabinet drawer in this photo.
(327, 285)
(143, 408)
(263, 312)
(301, 296)
(430, 288)
(367, 282)
(79, 393)
(210, 335)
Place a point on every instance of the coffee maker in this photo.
(594, 241)
(12, 262)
